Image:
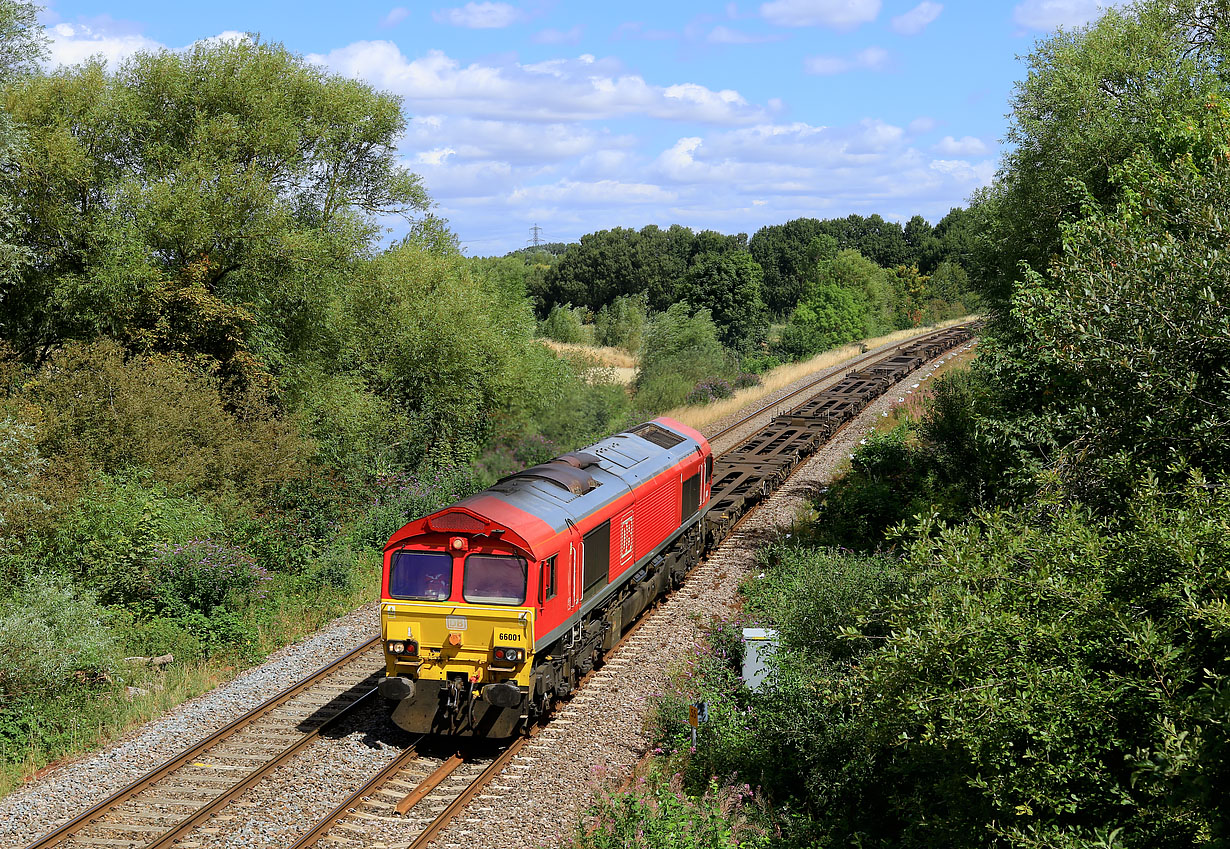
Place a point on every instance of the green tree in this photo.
(622, 322)
(460, 351)
(235, 166)
(594, 271)
(22, 46)
(830, 316)
(728, 286)
(681, 349)
(1089, 101)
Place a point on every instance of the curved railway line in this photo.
(162, 808)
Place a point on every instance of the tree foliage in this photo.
(1091, 98)
(235, 166)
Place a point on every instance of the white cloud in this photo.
(1049, 14)
(838, 14)
(870, 59)
(964, 146)
(916, 20)
(922, 124)
(74, 43)
(395, 16)
(559, 90)
(726, 35)
(555, 36)
(485, 15)
(978, 174)
(506, 141)
(598, 193)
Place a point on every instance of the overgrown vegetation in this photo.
(1031, 647)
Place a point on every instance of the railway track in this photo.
(185, 791)
(419, 793)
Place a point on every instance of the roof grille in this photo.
(658, 435)
(457, 522)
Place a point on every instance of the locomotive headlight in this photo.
(409, 648)
(509, 654)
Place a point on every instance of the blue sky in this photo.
(583, 116)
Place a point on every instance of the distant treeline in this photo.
(826, 282)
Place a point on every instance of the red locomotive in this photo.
(494, 606)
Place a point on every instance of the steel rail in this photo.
(390, 771)
(125, 794)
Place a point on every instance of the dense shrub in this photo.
(399, 498)
(564, 323)
(655, 812)
(106, 413)
(51, 637)
(681, 349)
(108, 541)
(710, 390)
(622, 322)
(200, 575)
(893, 478)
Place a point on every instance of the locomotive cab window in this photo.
(494, 579)
(421, 575)
(549, 588)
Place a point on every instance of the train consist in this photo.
(497, 605)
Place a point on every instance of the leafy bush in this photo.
(621, 323)
(108, 540)
(111, 415)
(655, 812)
(828, 317)
(200, 575)
(760, 363)
(564, 324)
(52, 636)
(681, 349)
(399, 498)
(892, 478)
(710, 390)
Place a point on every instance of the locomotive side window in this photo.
(422, 575)
(691, 497)
(597, 566)
(549, 588)
(494, 579)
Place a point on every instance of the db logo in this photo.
(625, 538)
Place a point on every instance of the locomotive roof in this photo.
(577, 485)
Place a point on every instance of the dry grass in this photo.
(616, 358)
(778, 378)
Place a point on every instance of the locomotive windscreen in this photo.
(494, 579)
(423, 575)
